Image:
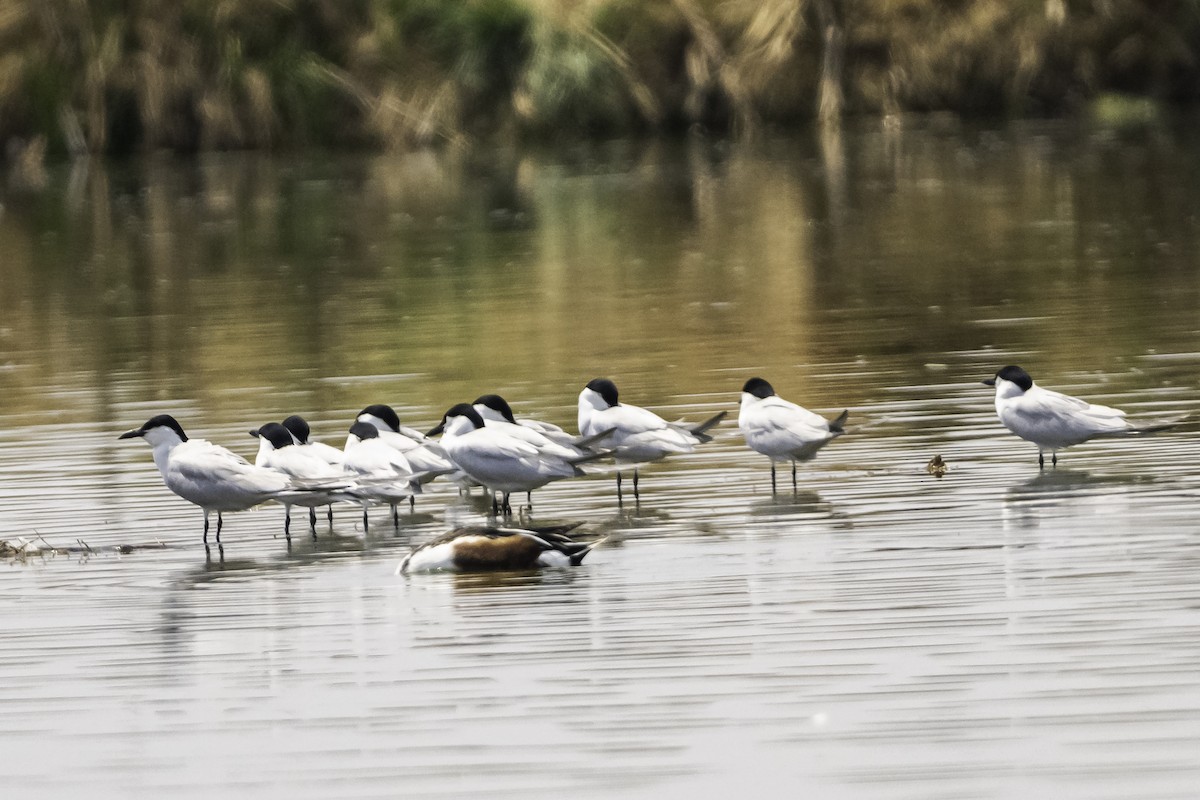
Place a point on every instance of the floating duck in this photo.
(480, 548)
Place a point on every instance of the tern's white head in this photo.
(599, 394)
(298, 427)
(1011, 381)
(756, 389)
(163, 434)
(459, 420)
(158, 431)
(382, 417)
(361, 432)
(366, 452)
(271, 437)
(495, 408)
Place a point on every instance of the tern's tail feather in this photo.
(1160, 425)
(1156, 428)
(837, 425)
(590, 456)
(585, 442)
(370, 482)
(699, 430)
(425, 476)
(301, 486)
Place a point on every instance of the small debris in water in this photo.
(22, 548)
(936, 467)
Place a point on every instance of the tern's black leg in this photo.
(507, 504)
(772, 477)
(793, 477)
(312, 520)
(365, 523)
(636, 497)
(495, 502)
(620, 497)
(395, 516)
(206, 550)
(1054, 459)
(220, 521)
(529, 501)
(287, 523)
(412, 504)
(330, 513)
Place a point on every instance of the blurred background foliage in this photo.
(134, 75)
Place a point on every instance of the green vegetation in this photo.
(121, 75)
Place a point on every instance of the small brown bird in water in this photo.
(936, 467)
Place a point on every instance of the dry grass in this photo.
(102, 75)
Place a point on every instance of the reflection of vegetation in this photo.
(236, 278)
(104, 75)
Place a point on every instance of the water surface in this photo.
(1000, 632)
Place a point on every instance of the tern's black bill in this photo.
(132, 434)
(989, 382)
(438, 429)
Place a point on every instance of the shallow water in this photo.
(999, 632)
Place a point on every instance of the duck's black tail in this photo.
(556, 533)
(578, 550)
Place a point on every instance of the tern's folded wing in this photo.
(216, 466)
(629, 420)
